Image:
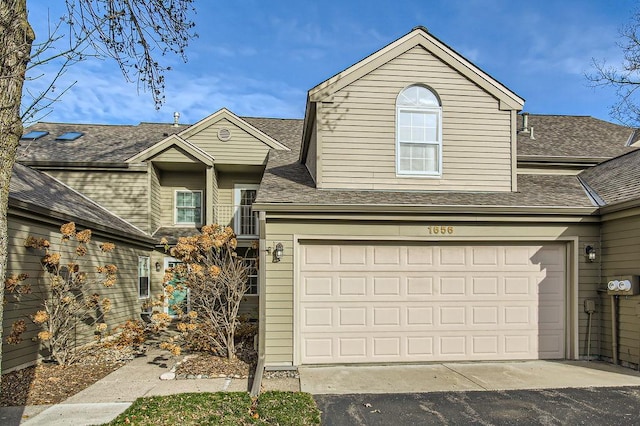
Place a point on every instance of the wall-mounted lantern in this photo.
(590, 253)
(278, 252)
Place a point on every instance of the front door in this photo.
(178, 300)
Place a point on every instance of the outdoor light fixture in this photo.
(278, 252)
(590, 253)
(158, 266)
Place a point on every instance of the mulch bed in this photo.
(205, 365)
(211, 366)
(50, 383)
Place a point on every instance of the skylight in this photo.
(34, 134)
(69, 136)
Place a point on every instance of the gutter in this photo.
(623, 205)
(425, 209)
(558, 159)
(74, 165)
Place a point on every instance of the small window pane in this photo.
(180, 200)
(417, 134)
(418, 119)
(404, 119)
(430, 120)
(431, 134)
(432, 158)
(404, 133)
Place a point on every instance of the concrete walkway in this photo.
(107, 398)
(476, 376)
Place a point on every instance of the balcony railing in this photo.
(242, 219)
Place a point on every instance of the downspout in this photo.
(614, 329)
(262, 302)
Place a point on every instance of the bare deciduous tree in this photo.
(625, 78)
(135, 33)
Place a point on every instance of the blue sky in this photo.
(259, 58)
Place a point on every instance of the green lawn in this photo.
(222, 408)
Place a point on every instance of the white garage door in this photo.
(388, 303)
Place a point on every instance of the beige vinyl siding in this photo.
(358, 130)
(279, 292)
(156, 197)
(226, 185)
(242, 148)
(175, 155)
(123, 295)
(124, 193)
(312, 153)
(620, 255)
(170, 182)
(216, 190)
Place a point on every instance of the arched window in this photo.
(418, 132)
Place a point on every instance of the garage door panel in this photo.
(384, 303)
(455, 316)
(414, 285)
(457, 346)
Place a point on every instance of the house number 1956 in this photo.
(440, 230)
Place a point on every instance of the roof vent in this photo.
(526, 129)
(224, 134)
(176, 119)
(525, 123)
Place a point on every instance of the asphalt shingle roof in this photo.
(172, 233)
(99, 143)
(287, 181)
(616, 180)
(37, 191)
(574, 137)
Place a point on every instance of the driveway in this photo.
(464, 376)
(590, 406)
(488, 393)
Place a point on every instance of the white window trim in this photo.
(438, 144)
(148, 260)
(257, 276)
(237, 196)
(175, 207)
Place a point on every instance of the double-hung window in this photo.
(418, 132)
(189, 207)
(245, 219)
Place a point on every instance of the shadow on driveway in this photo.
(586, 406)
